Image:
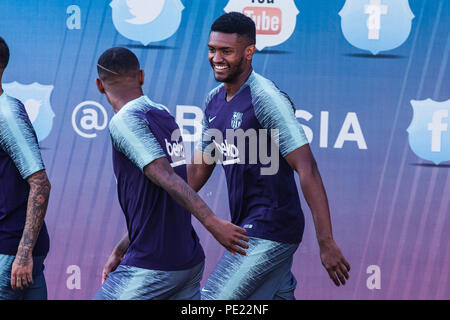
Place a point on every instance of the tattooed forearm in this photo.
(161, 173)
(122, 246)
(36, 209)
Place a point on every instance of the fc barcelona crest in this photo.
(236, 120)
(36, 99)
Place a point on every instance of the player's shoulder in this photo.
(131, 113)
(5, 98)
(213, 93)
(116, 120)
(15, 106)
(265, 94)
(12, 110)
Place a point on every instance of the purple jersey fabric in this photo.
(267, 206)
(20, 157)
(160, 230)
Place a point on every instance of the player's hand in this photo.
(113, 262)
(229, 235)
(335, 263)
(22, 270)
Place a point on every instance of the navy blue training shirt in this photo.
(160, 230)
(267, 203)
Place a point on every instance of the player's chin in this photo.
(220, 77)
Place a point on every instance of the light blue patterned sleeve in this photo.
(205, 139)
(132, 136)
(17, 137)
(274, 110)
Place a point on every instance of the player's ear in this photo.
(250, 51)
(141, 77)
(99, 84)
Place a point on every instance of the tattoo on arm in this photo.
(123, 245)
(36, 209)
(161, 173)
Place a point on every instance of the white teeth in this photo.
(221, 67)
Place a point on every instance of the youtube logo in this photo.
(267, 20)
(275, 20)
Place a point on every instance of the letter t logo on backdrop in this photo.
(376, 25)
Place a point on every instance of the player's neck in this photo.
(233, 87)
(121, 97)
(1, 88)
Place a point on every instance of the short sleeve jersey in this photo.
(267, 203)
(20, 157)
(160, 230)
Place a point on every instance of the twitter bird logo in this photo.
(143, 13)
(146, 21)
(36, 99)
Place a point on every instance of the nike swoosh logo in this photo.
(211, 119)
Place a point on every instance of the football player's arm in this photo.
(116, 256)
(302, 161)
(22, 268)
(19, 141)
(199, 171)
(202, 165)
(276, 112)
(229, 235)
(132, 136)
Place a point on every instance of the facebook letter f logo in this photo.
(436, 126)
(429, 134)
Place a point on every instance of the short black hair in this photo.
(4, 54)
(117, 62)
(236, 22)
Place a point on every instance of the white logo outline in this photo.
(95, 126)
(138, 8)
